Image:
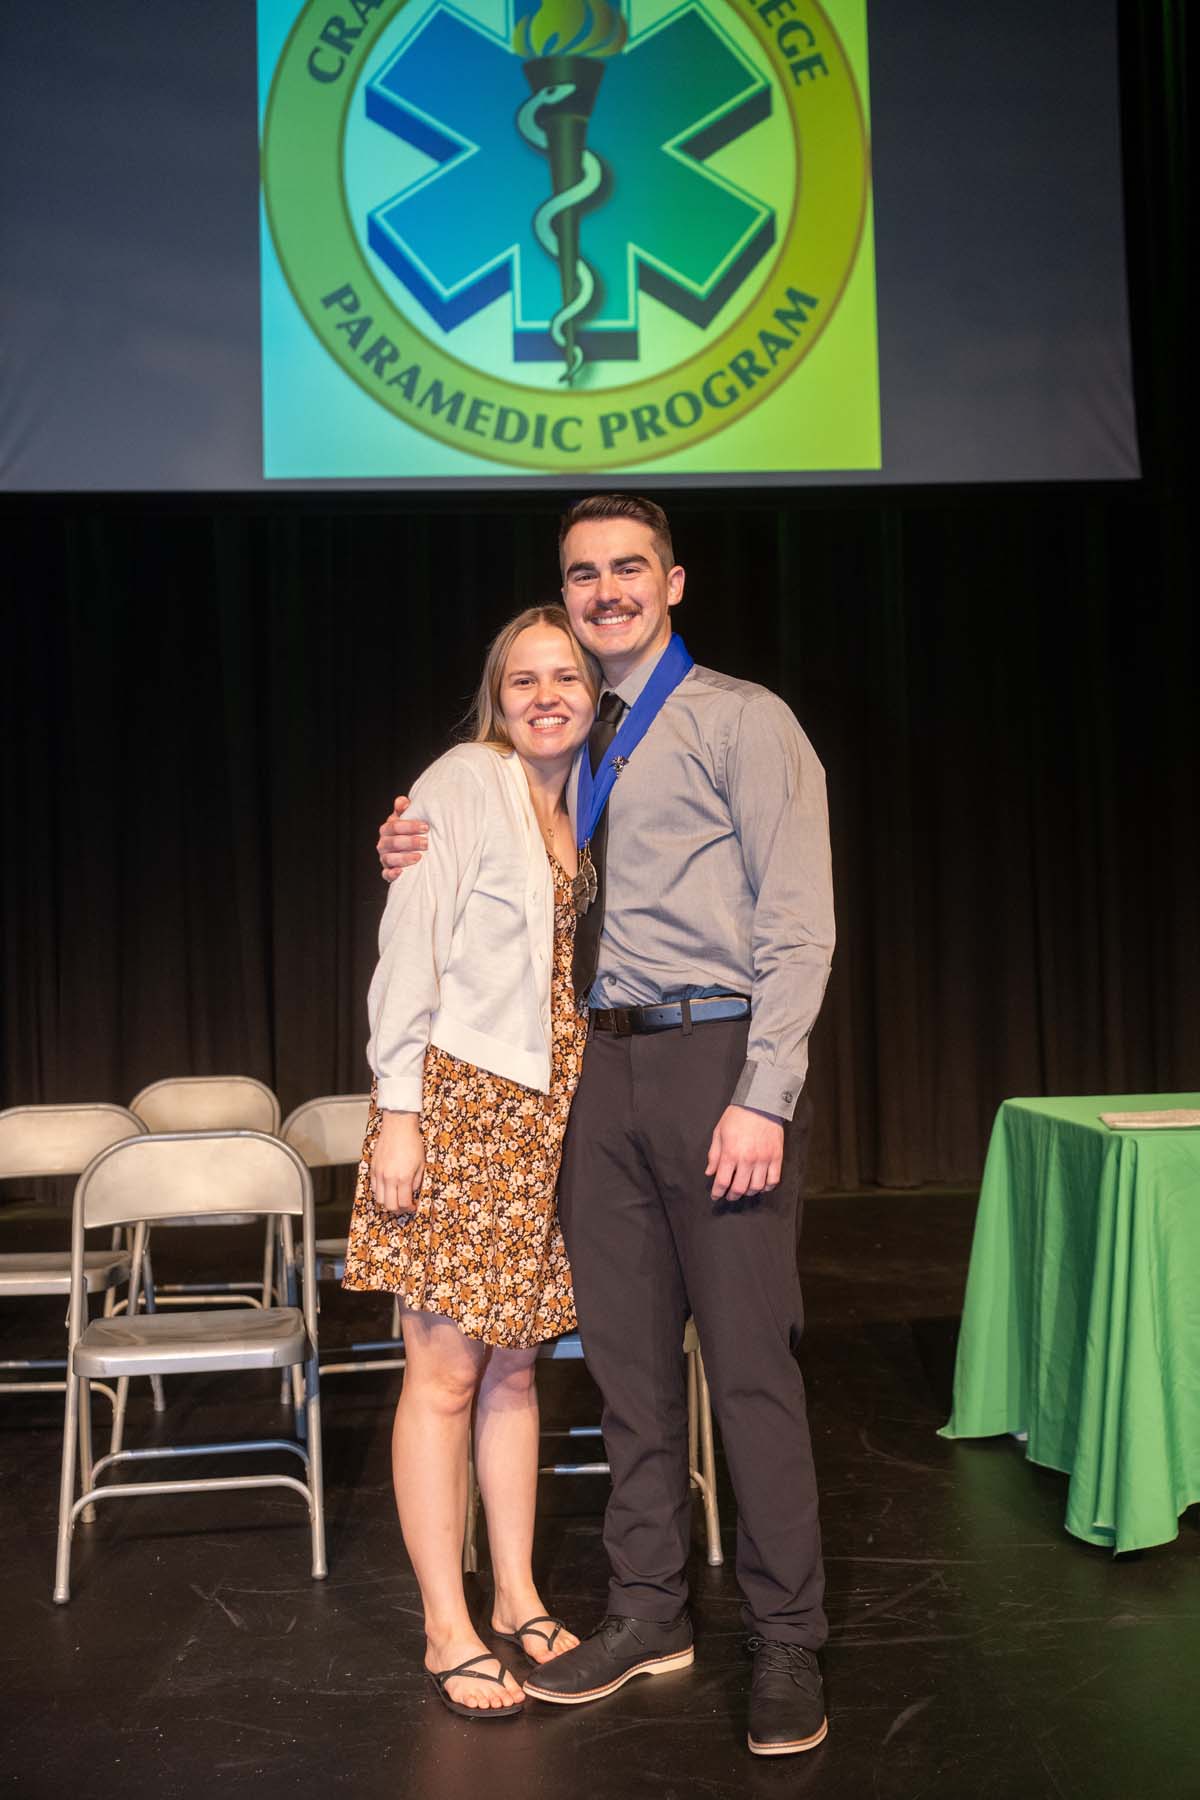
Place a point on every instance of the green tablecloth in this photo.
(1081, 1323)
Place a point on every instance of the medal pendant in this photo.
(585, 885)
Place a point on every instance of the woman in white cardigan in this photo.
(476, 1042)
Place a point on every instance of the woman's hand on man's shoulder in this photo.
(403, 841)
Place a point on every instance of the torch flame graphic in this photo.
(570, 28)
(563, 46)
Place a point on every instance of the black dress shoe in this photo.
(608, 1657)
(787, 1699)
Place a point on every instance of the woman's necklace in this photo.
(560, 850)
(549, 831)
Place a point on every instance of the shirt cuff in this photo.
(399, 1093)
(768, 1089)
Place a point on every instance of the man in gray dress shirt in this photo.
(683, 1163)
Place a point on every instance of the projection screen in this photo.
(331, 243)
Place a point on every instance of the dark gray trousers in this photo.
(647, 1245)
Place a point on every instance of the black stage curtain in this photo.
(210, 703)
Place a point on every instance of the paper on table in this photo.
(1173, 1116)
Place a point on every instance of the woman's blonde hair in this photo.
(485, 721)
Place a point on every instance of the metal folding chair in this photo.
(175, 1176)
(702, 1459)
(40, 1141)
(213, 1103)
(329, 1133)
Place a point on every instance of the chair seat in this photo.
(329, 1255)
(569, 1348)
(174, 1219)
(49, 1271)
(182, 1343)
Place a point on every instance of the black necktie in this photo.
(589, 925)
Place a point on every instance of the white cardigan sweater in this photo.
(466, 936)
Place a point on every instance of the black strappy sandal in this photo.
(440, 1677)
(529, 1629)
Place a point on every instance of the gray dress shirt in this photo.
(718, 875)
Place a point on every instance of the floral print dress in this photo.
(484, 1247)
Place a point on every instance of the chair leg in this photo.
(268, 1271)
(117, 1440)
(66, 1492)
(470, 1554)
(136, 1263)
(110, 1294)
(291, 1391)
(708, 1466)
(693, 1403)
(156, 1386)
(87, 1460)
(397, 1328)
(316, 1471)
(293, 1299)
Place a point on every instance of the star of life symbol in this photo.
(569, 172)
(567, 240)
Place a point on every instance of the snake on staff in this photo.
(547, 215)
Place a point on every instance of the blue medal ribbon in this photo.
(594, 790)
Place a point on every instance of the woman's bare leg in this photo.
(429, 1469)
(506, 1459)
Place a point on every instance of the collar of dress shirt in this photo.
(634, 682)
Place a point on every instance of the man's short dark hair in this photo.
(622, 506)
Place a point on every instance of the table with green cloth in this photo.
(1081, 1322)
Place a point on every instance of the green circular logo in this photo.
(555, 243)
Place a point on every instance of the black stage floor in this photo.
(976, 1649)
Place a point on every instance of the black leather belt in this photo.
(636, 1021)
